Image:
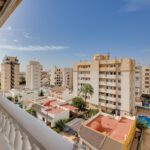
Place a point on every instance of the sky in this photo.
(62, 32)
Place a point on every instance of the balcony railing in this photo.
(24, 132)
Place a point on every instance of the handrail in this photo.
(48, 138)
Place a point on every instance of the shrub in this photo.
(79, 103)
(32, 112)
(142, 125)
(92, 112)
(59, 125)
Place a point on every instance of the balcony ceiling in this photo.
(6, 9)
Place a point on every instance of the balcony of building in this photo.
(21, 131)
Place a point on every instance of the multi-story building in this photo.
(15, 131)
(138, 81)
(45, 79)
(10, 73)
(33, 75)
(61, 77)
(56, 76)
(112, 81)
(146, 80)
(68, 78)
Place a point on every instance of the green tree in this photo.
(142, 125)
(79, 103)
(60, 124)
(92, 112)
(41, 93)
(85, 90)
(32, 112)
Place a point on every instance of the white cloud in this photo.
(27, 35)
(9, 28)
(16, 41)
(31, 48)
(135, 5)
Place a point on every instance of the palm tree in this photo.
(86, 89)
(79, 103)
(142, 125)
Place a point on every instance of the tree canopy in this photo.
(79, 103)
(86, 89)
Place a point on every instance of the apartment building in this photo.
(61, 77)
(10, 73)
(15, 124)
(33, 75)
(56, 76)
(112, 81)
(45, 79)
(138, 82)
(68, 78)
(146, 80)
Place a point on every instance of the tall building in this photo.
(33, 75)
(56, 76)
(17, 132)
(68, 78)
(45, 79)
(9, 73)
(138, 81)
(112, 81)
(146, 80)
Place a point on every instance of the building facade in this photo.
(45, 79)
(68, 78)
(10, 73)
(56, 76)
(138, 81)
(146, 80)
(112, 81)
(33, 75)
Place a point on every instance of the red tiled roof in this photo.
(111, 127)
(69, 107)
(55, 110)
(48, 103)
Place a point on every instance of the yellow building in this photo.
(112, 81)
(10, 73)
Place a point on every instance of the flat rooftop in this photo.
(55, 111)
(69, 107)
(111, 127)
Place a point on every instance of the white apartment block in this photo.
(146, 80)
(138, 81)
(68, 78)
(112, 81)
(61, 77)
(56, 76)
(9, 73)
(33, 75)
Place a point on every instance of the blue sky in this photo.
(62, 32)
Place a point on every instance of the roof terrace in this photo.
(116, 129)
